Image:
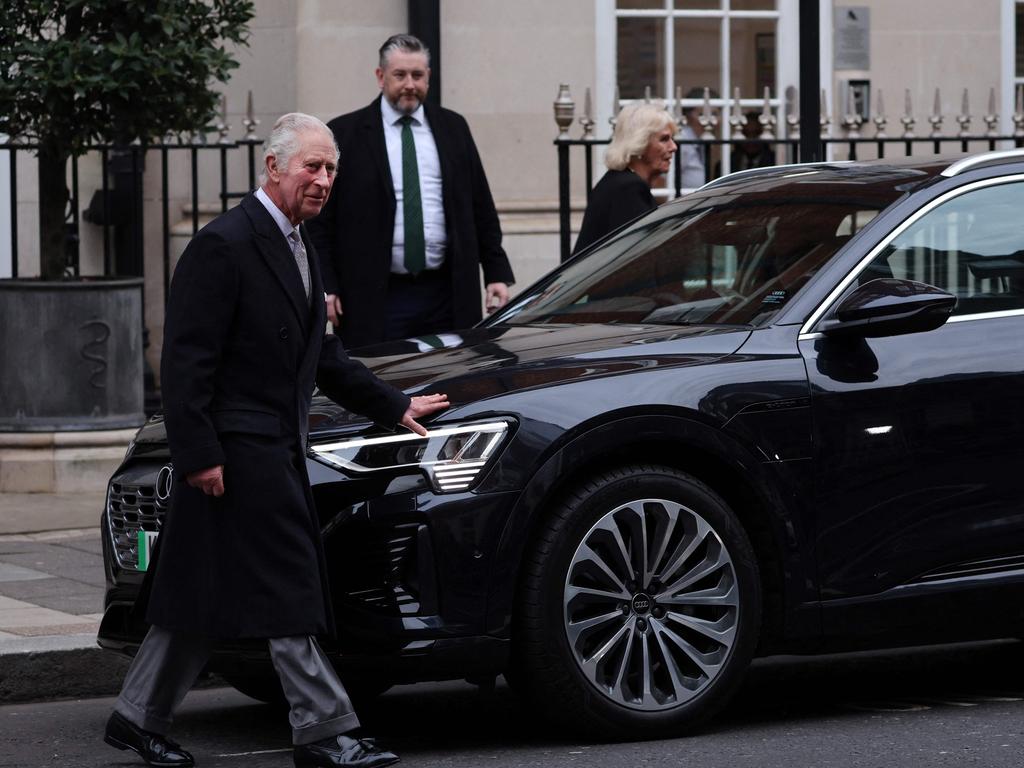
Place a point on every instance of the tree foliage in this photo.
(78, 71)
(73, 72)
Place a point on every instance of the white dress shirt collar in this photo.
(392, 115)
(279, 218)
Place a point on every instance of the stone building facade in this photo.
(502, 64)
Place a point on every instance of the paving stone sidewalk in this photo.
(51, 598)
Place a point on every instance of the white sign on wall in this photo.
(852, 37)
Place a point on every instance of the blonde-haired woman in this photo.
(641, 150)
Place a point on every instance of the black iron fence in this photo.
(115, 190)
(781, 150)
(115, 202)
(752, 134)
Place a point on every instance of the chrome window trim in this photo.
(986, 315)
(826, 304)
(970, 162)
(958, 319)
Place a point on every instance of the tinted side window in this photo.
(971, 246)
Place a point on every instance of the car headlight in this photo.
(452, 457)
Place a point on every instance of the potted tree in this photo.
(75, 73)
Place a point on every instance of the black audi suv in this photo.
(784, 413)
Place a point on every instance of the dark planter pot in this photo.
(72, 354)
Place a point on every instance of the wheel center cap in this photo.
(641, 604)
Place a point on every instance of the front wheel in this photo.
(640, 605)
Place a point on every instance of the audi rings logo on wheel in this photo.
(164, 482)
(641, 604)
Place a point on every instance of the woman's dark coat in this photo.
(242, 348)
(619, 197)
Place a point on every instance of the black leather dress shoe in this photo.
(343, 752)
(151, 747)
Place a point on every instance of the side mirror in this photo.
(889, 307)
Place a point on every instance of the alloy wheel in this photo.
(651, 604)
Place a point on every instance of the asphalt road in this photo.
(950, 706)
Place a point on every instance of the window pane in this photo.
(641, 57)
(698, 5)
(972, 246)
(752, 56)
(1020, 41)
(632, 5)
(698, 55)
(752, 5)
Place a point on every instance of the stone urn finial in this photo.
(565, 108)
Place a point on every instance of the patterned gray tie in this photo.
(300, 258)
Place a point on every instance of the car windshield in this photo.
(722, 259)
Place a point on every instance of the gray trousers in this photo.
(168, 663)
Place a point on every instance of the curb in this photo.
(72, 666)
(66, 667)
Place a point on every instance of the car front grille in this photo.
(384, 569)
(134, 505)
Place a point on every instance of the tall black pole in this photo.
(425, 23)
(810, 82)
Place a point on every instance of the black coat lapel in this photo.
(316, 281)
(276, 252)
(442, 140)
(372, 127)
(317, 310)
(315, 331)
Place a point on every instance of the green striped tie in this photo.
(412, 207)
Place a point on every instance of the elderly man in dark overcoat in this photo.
(411, 223)
(240, 555)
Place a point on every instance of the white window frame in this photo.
(1011, 82)
(785, 15)
(6, 257)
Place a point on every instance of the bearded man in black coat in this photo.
(240, 555)
(411, 222)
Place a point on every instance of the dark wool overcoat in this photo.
(354, 232)
(619, 197)
(242, 349)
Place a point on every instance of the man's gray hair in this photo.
(286, 137)
(634, 126)
(404, 43)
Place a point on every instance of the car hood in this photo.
(152, 433)
(483, 363)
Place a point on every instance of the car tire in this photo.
(654, 650)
